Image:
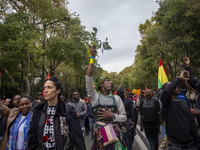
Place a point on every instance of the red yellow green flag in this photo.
(162, 75)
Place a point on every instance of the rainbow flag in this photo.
(162, 75)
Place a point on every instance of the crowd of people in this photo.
(51, 123)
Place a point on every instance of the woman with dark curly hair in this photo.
(55, 125)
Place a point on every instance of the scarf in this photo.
(12, 142)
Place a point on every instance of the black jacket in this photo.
(35, 134)
(180, 123)
(194, 83)
(3, 120)
(128, 104)
(90, 111)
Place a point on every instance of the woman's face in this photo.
(50, 91)
(24, 106)
(15, 99)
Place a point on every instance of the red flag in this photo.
(48, 77)
(145, 87)
(128, 91)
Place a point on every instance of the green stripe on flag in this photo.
(159, 84)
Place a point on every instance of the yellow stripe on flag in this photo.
(162, 75)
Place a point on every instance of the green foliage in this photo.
(22, 38)
(17, 47)
(170, 34)
(98, 43)
(119, 80)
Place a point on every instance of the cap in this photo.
(87, 99)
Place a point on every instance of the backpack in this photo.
(149, 110)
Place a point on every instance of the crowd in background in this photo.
(49, 121)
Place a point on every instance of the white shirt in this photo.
(20, 139)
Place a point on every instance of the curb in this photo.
(142, 135)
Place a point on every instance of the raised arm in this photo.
(194, 81)
(91, 64)
(91, 92)
(4, 110)
(166, 94)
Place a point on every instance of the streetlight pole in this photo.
(44, 35)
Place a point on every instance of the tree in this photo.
(22, 43)
(170, 34)
(17, 46)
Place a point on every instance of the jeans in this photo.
(91, 124)
(133, 135)
(83, 130)
(163, 131)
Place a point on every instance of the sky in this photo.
(118, 20)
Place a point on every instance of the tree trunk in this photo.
(22, 85)
(28, 89)
(77, 82)
(6, 71)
